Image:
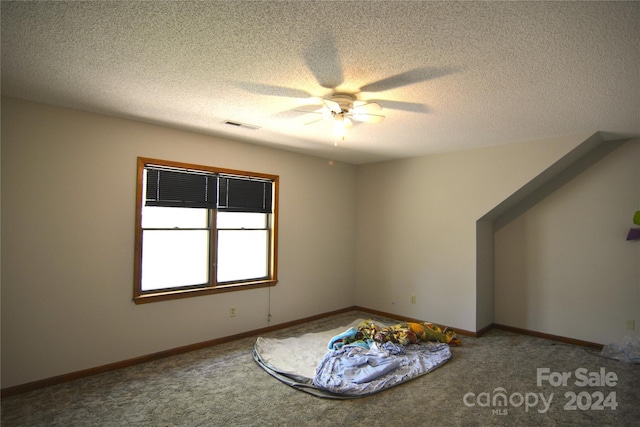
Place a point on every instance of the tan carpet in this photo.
(223, 386)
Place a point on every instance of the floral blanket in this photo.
(404, 333)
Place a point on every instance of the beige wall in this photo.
(371, 235)
(417, 227)
(68, 199)
(564, 267)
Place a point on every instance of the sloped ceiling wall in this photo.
(563, 265)
(416, 230)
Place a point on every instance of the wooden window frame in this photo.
(141, 297)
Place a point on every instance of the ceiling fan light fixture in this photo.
(344, 109)
(340, 125)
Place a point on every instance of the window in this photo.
(202, 230)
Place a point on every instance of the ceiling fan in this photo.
(323, 60)
(344, 109)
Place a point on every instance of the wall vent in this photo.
(241, 125)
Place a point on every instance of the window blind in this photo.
(239, 194)
(169, 187)
(180, 188)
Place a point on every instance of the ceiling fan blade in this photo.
(301, 110)
(332, 105)
(410, 77)
(309, 112)
(363, 107)
(404, 106)
(323, 61)
(315, 121)
(307, 109)
(262, 89)
(367, 118)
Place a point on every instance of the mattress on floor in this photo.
(306, 363)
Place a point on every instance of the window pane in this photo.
(242, 255)
(241, 220)
(174, 258)
(161, 217)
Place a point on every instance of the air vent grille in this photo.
(241, 125)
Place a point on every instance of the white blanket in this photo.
(298, 355)
(356, 371)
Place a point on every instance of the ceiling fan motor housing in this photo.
(344, 100)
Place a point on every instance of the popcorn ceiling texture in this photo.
(449, 75)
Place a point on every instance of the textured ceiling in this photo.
(449, 75)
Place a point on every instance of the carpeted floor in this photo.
(223, 386)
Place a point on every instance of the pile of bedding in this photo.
(362, 358)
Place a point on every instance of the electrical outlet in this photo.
(232, 311)
(413, 299)
(631, 324)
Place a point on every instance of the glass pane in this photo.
(174, 258)
(242, 255)
(160, 217)
(241, 220)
